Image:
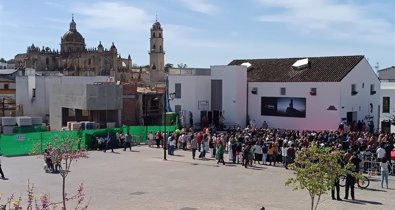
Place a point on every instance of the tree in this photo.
(182, 65)
(43, 203)
(3, 60)
(64, 151)
(316, 170)
(168, 66)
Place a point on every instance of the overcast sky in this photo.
(201, 33)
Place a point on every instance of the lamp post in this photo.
(166, 99)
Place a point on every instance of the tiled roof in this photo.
(387, 69)
(321, 69)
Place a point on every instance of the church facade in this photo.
(75, 59)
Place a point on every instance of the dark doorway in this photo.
(386, 126)
(351, 117)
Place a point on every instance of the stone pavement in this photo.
(142, 180)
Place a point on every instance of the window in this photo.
(85, 113)
(178, 90)
(47, 61)
(386, 104)
(283, 91)
(313, 91)
(177, 108)
(71, 112)
(154, 47)
(354, 90)
(6, 86)
(372, 91)
(153, 35)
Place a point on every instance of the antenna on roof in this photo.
(377, 66)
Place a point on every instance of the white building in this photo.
(217, 94)
(33, 91)
(315, 93)
(387, 92)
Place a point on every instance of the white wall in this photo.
(193, 89)
(387, 90)
(362, 76)
(39, 106)
(196, 88)
(317, 115)
(234, 92)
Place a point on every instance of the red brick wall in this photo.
(129, 111)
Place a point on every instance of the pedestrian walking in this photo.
(128, 142)
(384, 172)
(1, 171)
(246, 155)
(194, 146)
(202, 154)
(220, 153)
(109, 143)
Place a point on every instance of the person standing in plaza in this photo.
(271, 155)
(350, 179)
(257, 151)
(128, 142)
(380, 152)
(213, 145)
(109, 143)
(264, 153)
(150, 138)
(184, 141)
(246, 155)
(199, 139)
(194, 146)
(172, 143)
(384, 172)
(220, 153)
(1, 171)
(289, 155)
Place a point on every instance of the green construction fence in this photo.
(18, 144)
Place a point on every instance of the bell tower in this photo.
(156, 52)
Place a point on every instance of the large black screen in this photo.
(283, 106)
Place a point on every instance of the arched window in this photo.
(47, 61)
(153, 35)
(160, 35)
(154, 47)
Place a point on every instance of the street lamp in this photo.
(166, 100)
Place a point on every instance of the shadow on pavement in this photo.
(374, 190)
(363, 202)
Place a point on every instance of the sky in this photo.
(201, 33)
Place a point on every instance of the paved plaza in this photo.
(142, 180)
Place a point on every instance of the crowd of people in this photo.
(269, 146)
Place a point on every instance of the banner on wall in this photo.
(283, 106)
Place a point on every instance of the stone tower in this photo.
(156, 52)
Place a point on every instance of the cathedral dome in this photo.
(73, 36)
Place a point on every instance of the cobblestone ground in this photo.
(142, 180)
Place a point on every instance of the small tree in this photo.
(64, 151)
(316, 170)
(43, 203)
